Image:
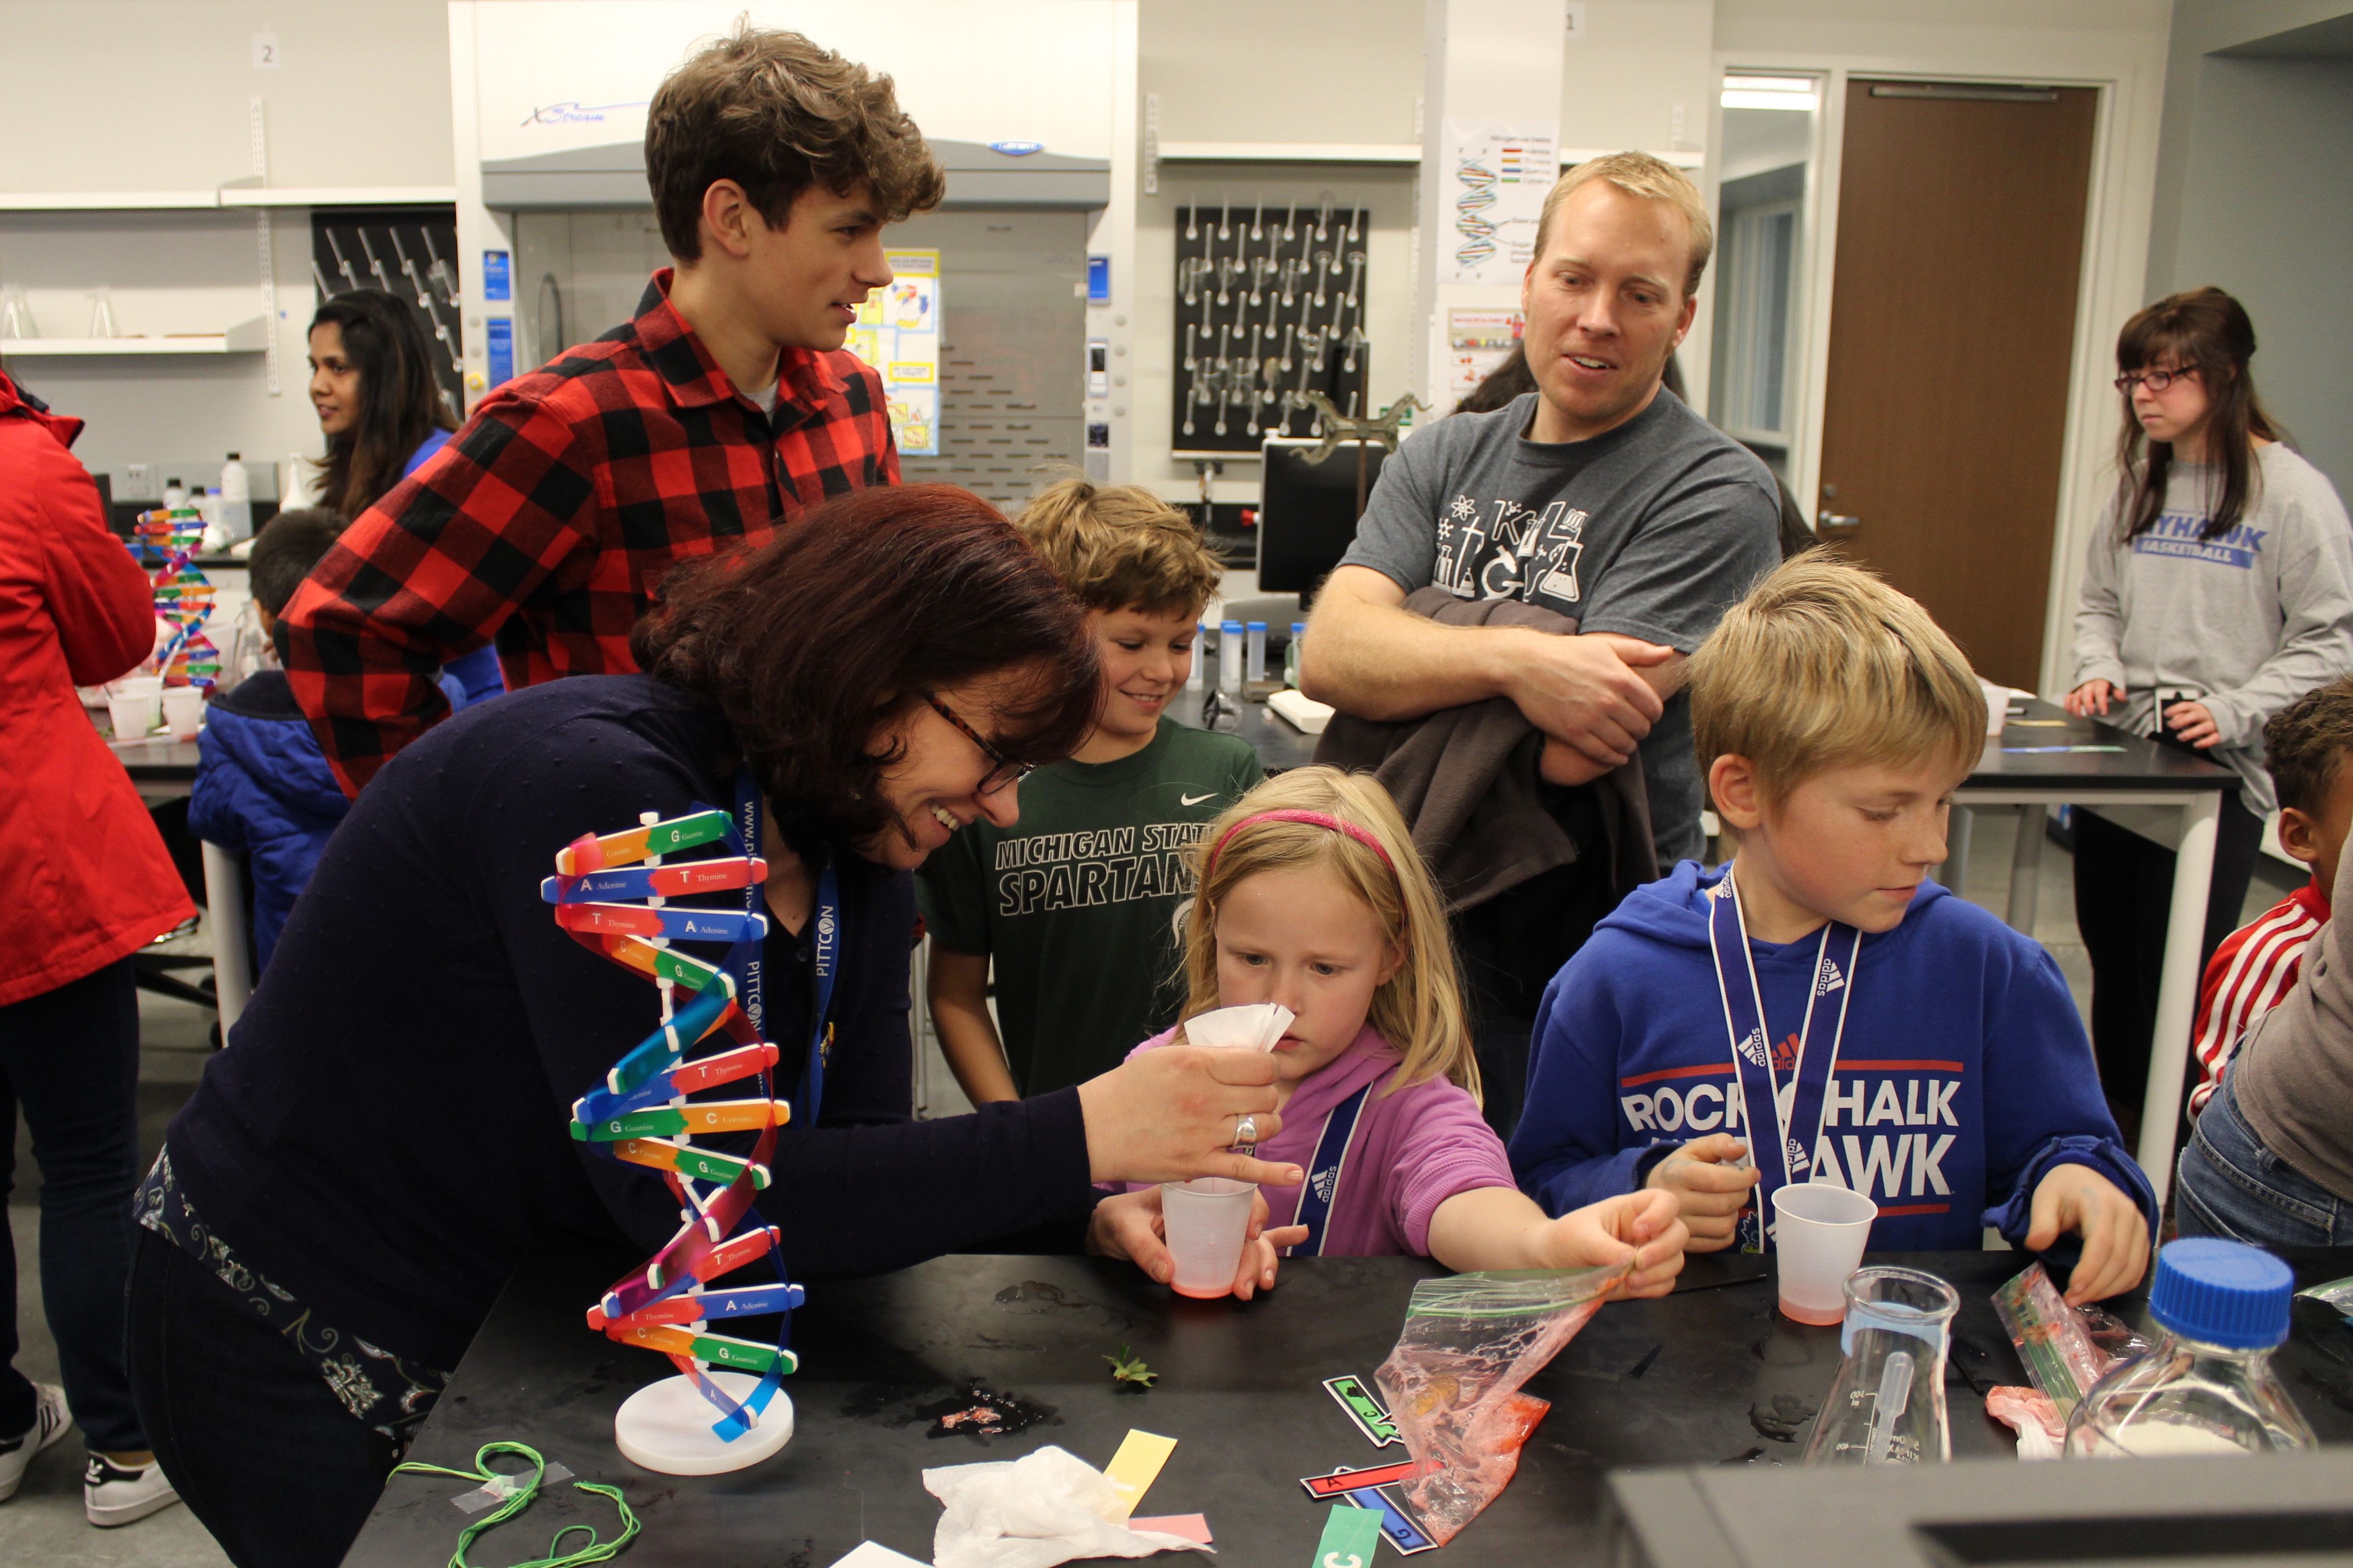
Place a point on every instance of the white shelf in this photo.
(1290, 152)
(246, 337)
(106, 201)
(338, 196)
(233, 197)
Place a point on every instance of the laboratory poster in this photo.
(1496, 174)
(1476, 342)
(898, 332)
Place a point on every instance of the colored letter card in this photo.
(1364, 1409)
(1137, 1464)
(1350, 1535)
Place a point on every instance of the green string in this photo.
(597, 1551)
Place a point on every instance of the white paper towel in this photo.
(1034, 1512)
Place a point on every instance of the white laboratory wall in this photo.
(143, 95)
(2267, 213)
(2256, 196)
(1310, 74)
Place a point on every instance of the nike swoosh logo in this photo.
(1196, 799)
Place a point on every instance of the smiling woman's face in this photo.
(933, 788)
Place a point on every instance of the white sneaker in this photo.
(49, 1424)
(114, 1494)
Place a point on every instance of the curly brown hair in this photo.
(2305, 744)
(811, 644)
(1119, 547)
(777, 114)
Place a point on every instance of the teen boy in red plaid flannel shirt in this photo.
(722, 410)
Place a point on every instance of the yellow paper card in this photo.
(1137, 1464)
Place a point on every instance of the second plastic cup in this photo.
(1818, 1234)
(1207, 1219)
(184, 711)
(128, 712)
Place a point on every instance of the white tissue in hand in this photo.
(1252, 1028)
(1034, 1512)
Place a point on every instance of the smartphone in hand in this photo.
(2166, 698)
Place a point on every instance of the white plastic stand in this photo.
(666, 1426)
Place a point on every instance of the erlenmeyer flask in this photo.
(1886, 1405)
(101, 312)
(16, 314)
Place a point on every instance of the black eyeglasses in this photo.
(2155, 379)
(1003, 770)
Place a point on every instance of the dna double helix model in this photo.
(1478, 183)
(611, 893)
(182, 593)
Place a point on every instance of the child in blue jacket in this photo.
(263, 788)
(1884, 1035)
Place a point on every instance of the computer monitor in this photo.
(1307, 511)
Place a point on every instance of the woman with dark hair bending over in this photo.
(381, 411)
(339, 1204)
(2218, 589)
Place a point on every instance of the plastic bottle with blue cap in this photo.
(2207, 1386)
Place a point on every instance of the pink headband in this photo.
(1312, 820)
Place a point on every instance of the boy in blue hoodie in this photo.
(263, 788)
(1891, 1038)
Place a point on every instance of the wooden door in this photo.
(1960, 239)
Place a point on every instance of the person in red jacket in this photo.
(88, 883)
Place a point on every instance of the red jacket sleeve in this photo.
(97, 596)
(430, 572)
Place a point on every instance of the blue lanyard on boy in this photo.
(743, 961)
(1770, 1117)
(1317, 1194)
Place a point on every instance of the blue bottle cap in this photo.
(2222, 1293)
(1299, 628)
(1229, 625)
(1258, 626)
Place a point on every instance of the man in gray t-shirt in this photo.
(1597, 496)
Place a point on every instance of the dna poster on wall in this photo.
(1495, 174)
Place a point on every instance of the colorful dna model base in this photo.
(725, 1411)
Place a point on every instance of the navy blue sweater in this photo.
(386, 1135)
(1964, 1075)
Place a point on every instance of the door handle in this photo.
(1832, 522)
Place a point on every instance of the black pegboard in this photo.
(1258, 284)
(410, 253)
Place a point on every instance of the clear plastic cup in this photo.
(148, 689)
(1818, 1234)
(184, 711)
(127, 711)
(1207, 1219)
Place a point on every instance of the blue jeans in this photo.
(2229, 1185)
(69, 1062)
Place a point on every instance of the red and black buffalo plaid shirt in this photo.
(548, 522)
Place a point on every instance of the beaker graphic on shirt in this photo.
(1886, 1405)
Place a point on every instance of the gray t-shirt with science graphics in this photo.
(1652, 531)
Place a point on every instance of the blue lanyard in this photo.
(1771, 1119)
(1322, 1188)
(744, 959)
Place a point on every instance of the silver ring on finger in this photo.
(1245, 1129)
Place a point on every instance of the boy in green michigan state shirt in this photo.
(1078, 903)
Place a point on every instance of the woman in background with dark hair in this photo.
(382, 410)
(339, 1204)
(2218, 589)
